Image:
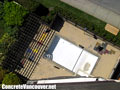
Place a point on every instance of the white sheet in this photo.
(66, 54)
(73, 57)
(86, 59)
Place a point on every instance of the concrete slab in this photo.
(113, 18)
(119, 26)
(101, 13)
(104, 67)
(48, 69)
(90, 7)
(113, 5)
(106, 62)
(77, 4)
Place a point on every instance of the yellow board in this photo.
(111, 29)
(35, 50)
(43, 37)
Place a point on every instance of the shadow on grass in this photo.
(41, 10)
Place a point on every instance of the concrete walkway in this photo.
(96, 10)
(113, 5)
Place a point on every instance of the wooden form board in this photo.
(111, 29)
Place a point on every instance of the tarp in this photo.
(72, 57)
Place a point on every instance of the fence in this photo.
(91, 33)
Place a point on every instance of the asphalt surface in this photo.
(89, 86)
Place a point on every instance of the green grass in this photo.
(1, 28)
(28, 4)
(1, 32)
(50, 3)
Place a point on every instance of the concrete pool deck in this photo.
(49, 69)
(104, 67)
(106, 62)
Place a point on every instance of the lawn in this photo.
(1, 28)
(50, 3)
(1, 33)
(28, 4)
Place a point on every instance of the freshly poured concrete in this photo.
(104, 67)
(106, 62)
